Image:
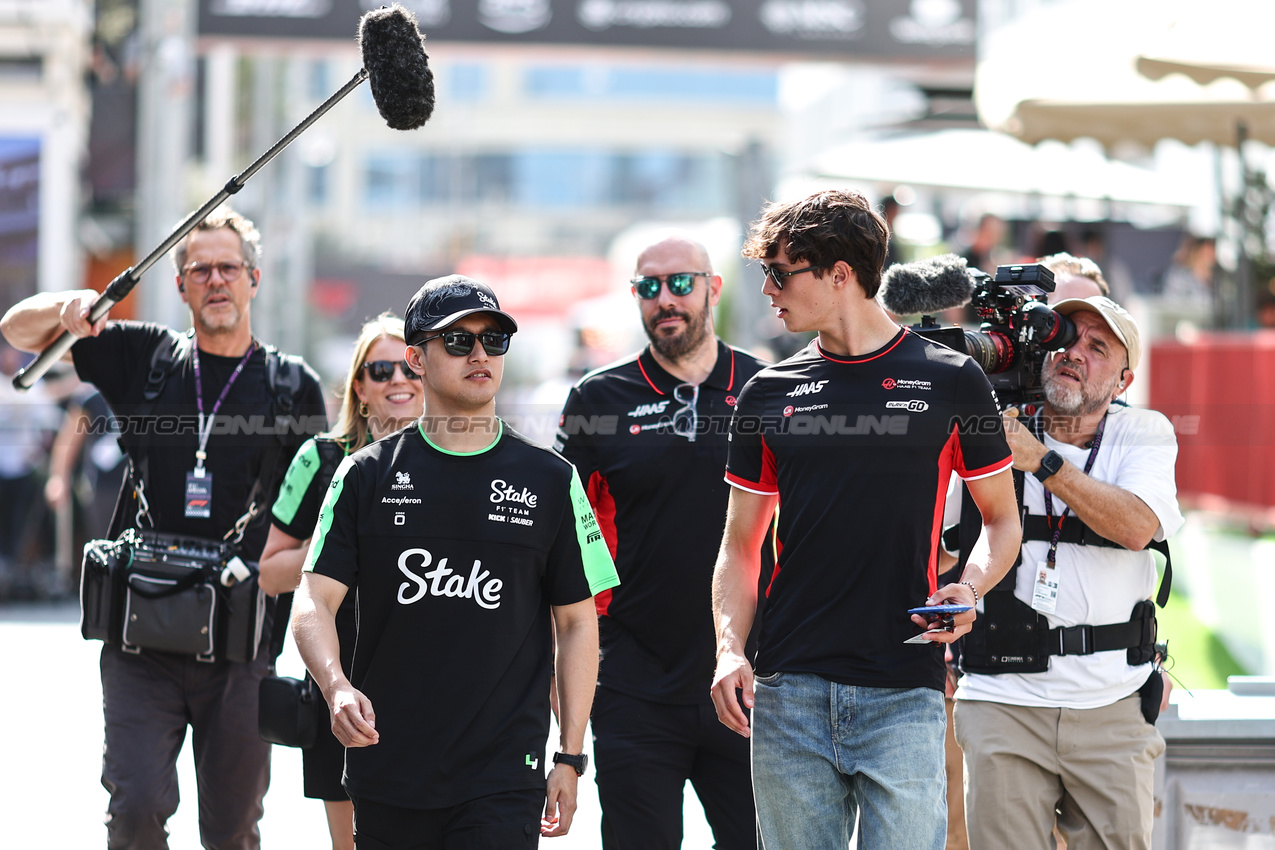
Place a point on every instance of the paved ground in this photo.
(51, 715)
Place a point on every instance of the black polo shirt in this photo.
(661, 501)
(456, 559)
(860, 451)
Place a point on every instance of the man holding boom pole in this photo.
(187, 403)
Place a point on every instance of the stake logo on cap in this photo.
(446, 300)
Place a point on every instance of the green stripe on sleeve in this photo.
(599, 569)
(305, 465)
(325, 513)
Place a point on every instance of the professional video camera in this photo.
(1018, 328)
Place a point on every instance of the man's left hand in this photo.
(560, 801)
(950, 594)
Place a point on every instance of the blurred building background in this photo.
(567, 132)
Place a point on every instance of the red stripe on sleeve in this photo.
(947, 458)
(779, 547)
(769, 469)
(603, 502)
(990, 469)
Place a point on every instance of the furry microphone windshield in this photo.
(397, 67)
(926, 286)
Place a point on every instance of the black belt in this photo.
(1086, 640)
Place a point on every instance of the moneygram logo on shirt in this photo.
(806, 389)
(906, 384)
(443, 582)
(402, 481)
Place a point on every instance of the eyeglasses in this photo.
(201, 272)
(679, 283)
(779, 277)
(685, 418)
(381, 371)
(461, 343)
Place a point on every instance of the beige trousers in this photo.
(1090, 769)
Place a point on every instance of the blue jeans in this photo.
(824, 753)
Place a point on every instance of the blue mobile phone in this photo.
(939, 610)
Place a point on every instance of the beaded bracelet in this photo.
(972, 588)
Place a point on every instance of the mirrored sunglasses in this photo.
(461, 343)
(381, 371)
(679, 283)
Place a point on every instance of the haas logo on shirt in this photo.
(649, 409)
(445, 582)
(806, 389)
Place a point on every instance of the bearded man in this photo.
(648, 436)
(1060, 726)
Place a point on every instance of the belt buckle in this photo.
(1076, 640)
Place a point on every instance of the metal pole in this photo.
(124, 283)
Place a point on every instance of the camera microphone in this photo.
(397, 66)
(927, 286)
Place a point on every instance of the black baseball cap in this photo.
(446, 300)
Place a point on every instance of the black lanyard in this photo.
(1055, 532)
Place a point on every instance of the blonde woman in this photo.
(382, 395)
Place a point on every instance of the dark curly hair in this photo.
(822, 229)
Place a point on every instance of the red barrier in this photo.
(1219, 391)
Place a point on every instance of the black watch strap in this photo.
(579, 762)
(1049, 466)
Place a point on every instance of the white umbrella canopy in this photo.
(1211, 41)
(982, 160)
(1132, 71)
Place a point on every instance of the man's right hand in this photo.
(353, 720)
(734, 673)
(75, 314)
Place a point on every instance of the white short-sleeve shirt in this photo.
(1097, 585)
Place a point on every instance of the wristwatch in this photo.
(1049, 465)
(579, 762)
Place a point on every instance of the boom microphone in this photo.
(397, 67)
(403, 87)
(927, 286)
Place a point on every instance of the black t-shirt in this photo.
(860, 451)
(661, 501)
(456, 559)
(118, 362)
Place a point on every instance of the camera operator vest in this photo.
(1009, 636)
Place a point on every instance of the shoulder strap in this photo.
(283, 377)
(165, 360)
(1036, 527)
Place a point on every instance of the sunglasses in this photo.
(461, 343)
(779, 277)
(200, 273)
(381, 371)
(685, 418)
(679, 283)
